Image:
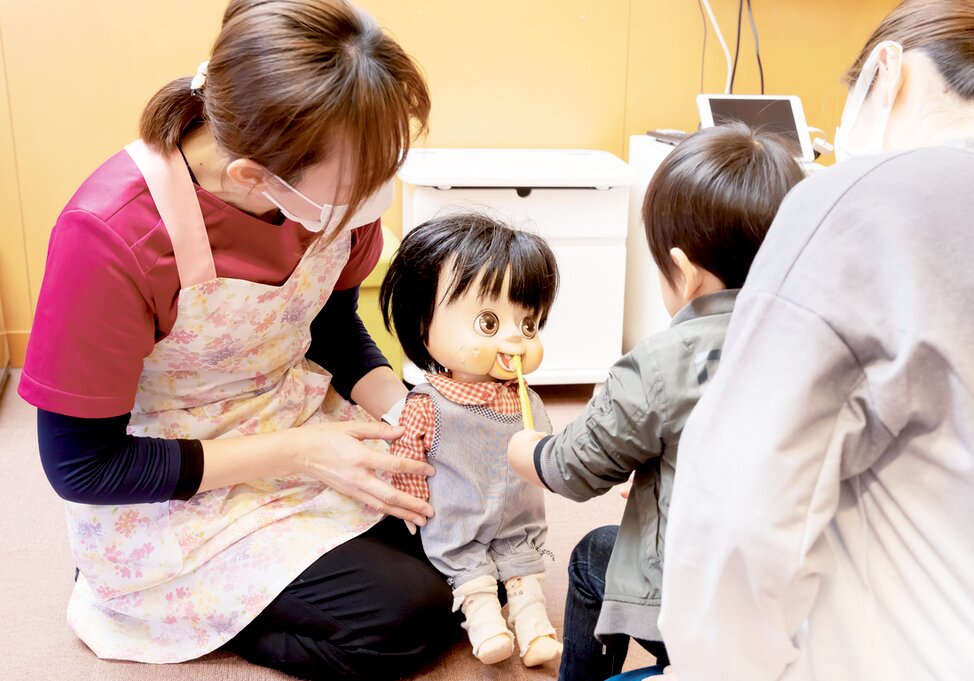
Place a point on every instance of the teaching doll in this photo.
(467, 296)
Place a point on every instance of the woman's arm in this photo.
(330, 452)
(94, 461)
(378, 391)
(342, 345)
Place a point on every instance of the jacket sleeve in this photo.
(757, 484)
(620, 430)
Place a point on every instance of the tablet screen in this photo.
(767, 115)
(780, 115)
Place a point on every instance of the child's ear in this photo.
(690, 277)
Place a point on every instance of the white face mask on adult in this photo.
(874, 142)
(330, 216)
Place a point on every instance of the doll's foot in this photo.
(540, 650)
(495, 649)
(526, 615)
(489, 636)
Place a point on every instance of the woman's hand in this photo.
(334, 454)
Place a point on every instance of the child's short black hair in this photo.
(715, 197)
(473, 243)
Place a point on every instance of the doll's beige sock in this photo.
(527, 615)
(489, 636)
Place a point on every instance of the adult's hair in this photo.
(942, 29)
(287, 78)
(481, 251)
(715, 197)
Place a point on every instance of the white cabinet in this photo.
(645, 313)
(576, 199)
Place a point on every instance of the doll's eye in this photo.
(486, 323)
(529, 327)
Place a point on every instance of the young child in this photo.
(465, 295)
(706, 212)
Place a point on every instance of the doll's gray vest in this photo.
(487, 520)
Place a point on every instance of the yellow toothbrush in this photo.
(522, 392)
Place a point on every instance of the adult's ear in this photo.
(247, 174)
(889, 79)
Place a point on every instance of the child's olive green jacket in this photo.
(634, 426)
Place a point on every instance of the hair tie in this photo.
(199, 80)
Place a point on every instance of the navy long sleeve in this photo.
(341, 343)
(94, 461)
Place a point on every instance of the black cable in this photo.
(737, 48)
(703, 56)
(757, 47)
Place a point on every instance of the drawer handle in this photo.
(523, 192)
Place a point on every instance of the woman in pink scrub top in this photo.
(208, 398)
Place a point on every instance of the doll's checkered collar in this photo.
(463, 392)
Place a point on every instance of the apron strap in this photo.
(174, 194)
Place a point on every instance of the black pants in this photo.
(373, 608)
(584, 657)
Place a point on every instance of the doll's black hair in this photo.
(472, 243)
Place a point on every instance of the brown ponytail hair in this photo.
(942, 29)
(286, 77)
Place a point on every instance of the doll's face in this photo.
(475, 338)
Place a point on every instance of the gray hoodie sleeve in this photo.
(618, 432)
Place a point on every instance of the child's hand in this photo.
(624, 493)
(520, 454)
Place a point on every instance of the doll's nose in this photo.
(512, 335)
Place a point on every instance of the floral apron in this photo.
(171, 581)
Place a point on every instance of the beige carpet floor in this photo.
(36, 574)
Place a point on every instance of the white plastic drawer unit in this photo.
(576, 199)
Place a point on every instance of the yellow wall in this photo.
(806, 46)
(14, 291)
(532, 73)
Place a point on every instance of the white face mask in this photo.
(330, 216)
(875, 142)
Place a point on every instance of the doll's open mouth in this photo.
(506, 361)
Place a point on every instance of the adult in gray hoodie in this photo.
(820, 526)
